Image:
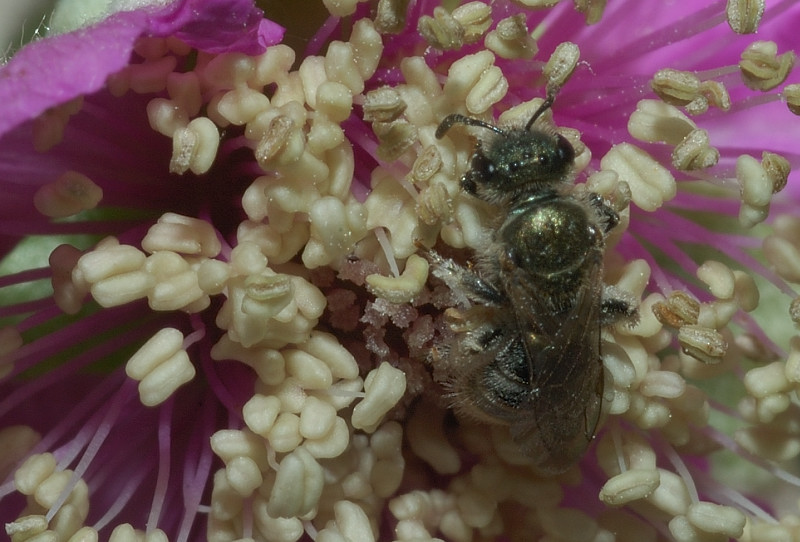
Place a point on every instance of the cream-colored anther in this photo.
(212, 276)
(229, 444)
(30, 528)
(150, 77)
(340, 8)
(537, 4)
(310, 371)
(194, 148)
(744, 15)
(68, 195)
(592, 9)
(490, 88)
(48, 128)
(122, 288)
(475, 18)
(273, 65)
(352, 522)
(383, 104)
(784, 256)
(631, 485)
(716, 94)
(165, 116)
(161, 346)
(243, 475)
(434, 204)
(316, 418)
(511, 39)
(791, 93)
(719, 278)
(671, 495)
(777, 168)
(761, 66)
(768, 380)
(367, 47)
(341, 66)
(284, 436)
(702, 343)
(464, 74)
(383, 387)
(655, 120)
(298, 485)
(281, 144)
(85, 534)
(241, 105)
(395, 138)
(176, 285)
(184, 92)
(664, 384)
(561, 64)
(247, 259)
(717, 519)
(745, 291)
(228, 70)
(35, 470)
(756, 186)
(182, 234)
(651, 183)
(67, 293)
(442, 31)
(332, 444)
(404, 288)
(429, 442)
(390, 16)
(260, 413)
(334, 100)
(694, 152)
(327, 348)
(427, 164)
(676, 87)
(161, 366)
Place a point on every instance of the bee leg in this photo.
(606, 213)
(462, 280)
(617, 306)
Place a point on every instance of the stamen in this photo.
(384, 386)
(194, 148)
(561, 65)
(70, 194)
(744, 15)
(761, 66)
(510, 39)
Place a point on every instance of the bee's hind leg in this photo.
(618, 306)
(467, 285)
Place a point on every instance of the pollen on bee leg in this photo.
(161, 366)
(511, 39)
(194, 147)
(182, 234)
(762, 68)
(68, 195)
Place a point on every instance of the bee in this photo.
(525, 348)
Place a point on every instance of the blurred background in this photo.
(19, 21)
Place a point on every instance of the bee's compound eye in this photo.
(566, 153)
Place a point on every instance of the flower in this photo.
(245, 339)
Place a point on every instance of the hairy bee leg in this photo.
(461, 279)
(604, 211)
(617, 306)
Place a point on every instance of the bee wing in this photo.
(566, 371)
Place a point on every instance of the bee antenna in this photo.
(456, 118)
(546, 104)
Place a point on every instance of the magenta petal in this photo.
(57, 69)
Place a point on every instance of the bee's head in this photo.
(516, 161)
(522, 161)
